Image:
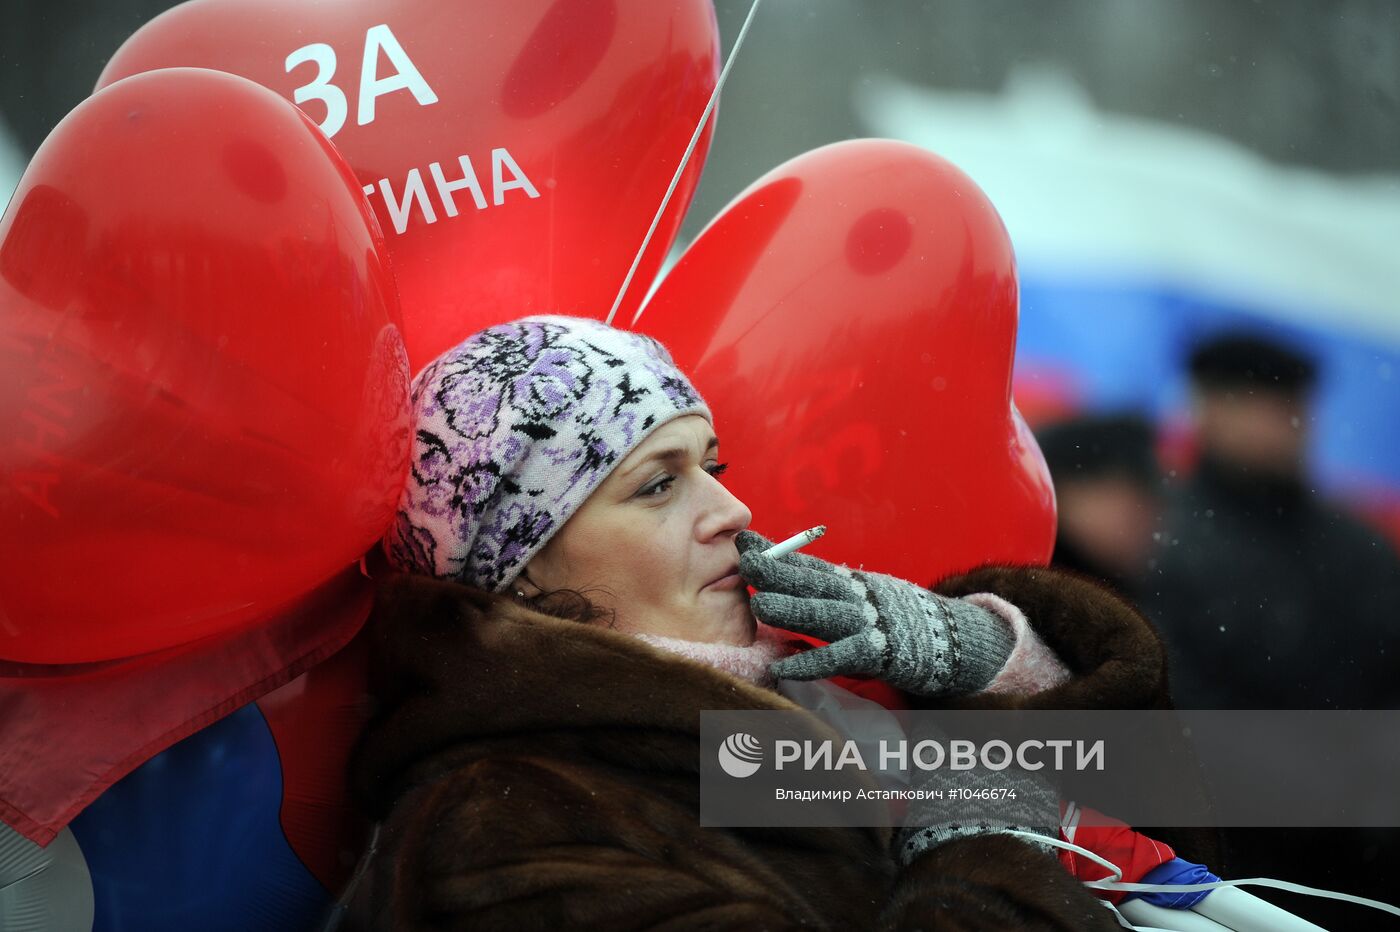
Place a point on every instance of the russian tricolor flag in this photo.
(1136, 238)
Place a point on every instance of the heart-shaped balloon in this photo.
(851, 319)
(515, 151)
(203, 387)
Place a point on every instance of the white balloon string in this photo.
(1116, 882)
(685, 160)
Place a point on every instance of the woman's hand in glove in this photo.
(994, 801)
(878, 625)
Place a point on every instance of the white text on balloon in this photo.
(405, 76)
(506, 175)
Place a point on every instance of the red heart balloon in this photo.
(515, 151)
(202, 382)
(851, 319)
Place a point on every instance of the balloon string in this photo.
(1116, 881)
(342, 905)
(685, 160)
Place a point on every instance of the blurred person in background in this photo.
(1269, 596)
(1107, 491)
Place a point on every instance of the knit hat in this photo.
(1094, 446)
(514, 429)
(1246, 361)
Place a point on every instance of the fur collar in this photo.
(460, 672)
(455, 665)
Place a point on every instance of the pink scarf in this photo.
(1031, 668)
(748, 663)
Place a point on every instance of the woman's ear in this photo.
(523, 585)
(539, 575)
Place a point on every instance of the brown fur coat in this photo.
(537, 773)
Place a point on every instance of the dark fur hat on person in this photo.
(1099, 445)
(1241, 360)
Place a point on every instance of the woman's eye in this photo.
(662, 484)
(657, 487)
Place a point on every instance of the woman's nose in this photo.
(724, 513)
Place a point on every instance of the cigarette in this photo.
(796, 542)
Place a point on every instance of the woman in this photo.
(531, 770)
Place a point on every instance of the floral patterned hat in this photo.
(514, 429)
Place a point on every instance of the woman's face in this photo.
(655, 542)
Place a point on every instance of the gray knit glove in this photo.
(878, 625)
(1017, 800)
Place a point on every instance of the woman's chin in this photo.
(739, 627)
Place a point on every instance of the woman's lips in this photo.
(732, 581)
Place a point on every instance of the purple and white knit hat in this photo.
(514, 429)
